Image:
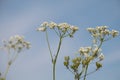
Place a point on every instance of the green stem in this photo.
(77, 77)
(81, 72)
(85, 72)
(7, 69)
(71, 71)
(59, 45)
(15, 57)
(8, 66)
(89, 73)
(49, 46)
(98, 48)
(54, 69)
(56, 32)
(54, 61)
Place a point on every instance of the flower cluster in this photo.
(14, 46)
(62, 29)
(66, 62)
(90, 54)
(84, 51)
(102, 33)
(87, 55)
(75, 63)
(16, 43)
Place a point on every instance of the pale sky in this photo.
(22, 17)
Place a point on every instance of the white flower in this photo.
(96, 50)
(74, 28)
(16, 43)
(85, 51)
(63, 25)
(41, 29)
(81, 50)
(106, 32)
(90, 29)
(86, 55)
(44, 24)
(101, 28)
(52, 25)
(114, 33)
(101, 57)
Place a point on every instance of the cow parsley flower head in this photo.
(16, 43)
(64, 26)
(74, 28)
(85, 51)
(44, 24)
(52, 25)
(102, 33)
(61, 29)
(41, 29)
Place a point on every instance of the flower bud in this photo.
(66, 58)
(101, 57)
(65, 63)
(98, 65)
(52, 25)
(114, 33)
(41, 29)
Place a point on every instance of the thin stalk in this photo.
(15, 57)
(56, 32)
(49, 46)
(98, 48)
(89, 73)
(59, 45)
(8, 54)
(71, 71)
(54, 69)
(10, 61)
(7, 70)
(8, 66)
(54, 61)
(81, 71)
(77, 76)
(85, 72)
(93, 55)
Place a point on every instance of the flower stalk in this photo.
(15, 45)
(56, 56)
(62, 30)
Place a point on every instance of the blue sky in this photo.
(22, 17)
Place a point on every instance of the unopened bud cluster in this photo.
(75, 63)
(64, 29)
(66, 62)
(86, 56)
